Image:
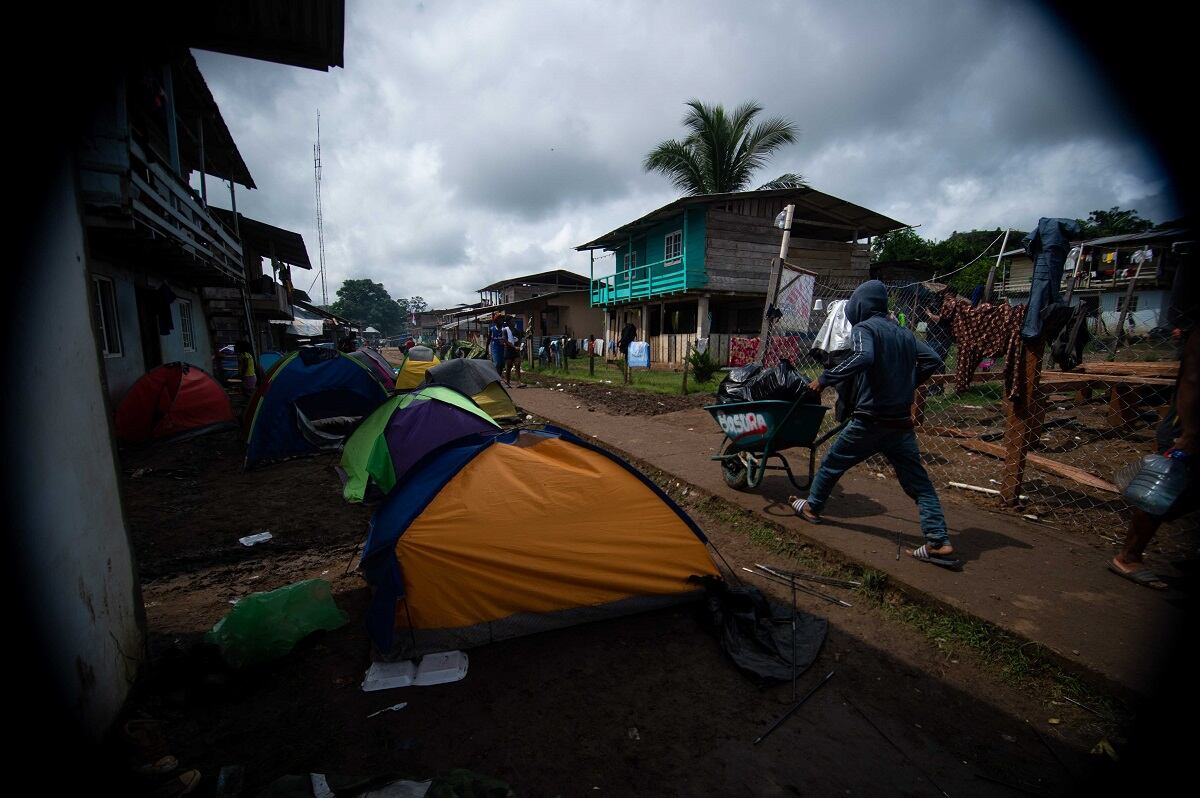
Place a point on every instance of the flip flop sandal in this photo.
(922, 554)
(1144, 577)
(159, 767)
(799, 506)
(182, 784)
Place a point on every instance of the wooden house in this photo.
(699, 267)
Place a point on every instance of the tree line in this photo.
(368, 303)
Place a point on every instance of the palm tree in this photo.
(722, 151)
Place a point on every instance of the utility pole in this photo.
(320, 219)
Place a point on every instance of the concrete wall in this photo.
(122, 371)
(1151, 309)
(71, 547)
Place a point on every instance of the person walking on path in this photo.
(889, 363)
(246, 367)
(1179, 431)
(512, 354)
(496, 342)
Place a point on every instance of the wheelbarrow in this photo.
(756, 432)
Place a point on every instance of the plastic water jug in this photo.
(1156, 483)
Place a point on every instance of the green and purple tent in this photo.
(403, 430)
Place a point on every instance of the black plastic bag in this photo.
(753, 383)
(732, 388)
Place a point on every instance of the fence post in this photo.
(1024, 416)
(687, 352)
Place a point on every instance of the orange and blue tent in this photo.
(309, 401)
(171, 401)
(497, 536)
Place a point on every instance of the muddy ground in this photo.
(645, 705)
(618, 399)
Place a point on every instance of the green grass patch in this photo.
(982, 394)
(649, 380)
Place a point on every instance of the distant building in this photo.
(548, 304)
(1106, 272)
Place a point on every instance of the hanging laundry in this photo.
(1047, 247)
(986, 331)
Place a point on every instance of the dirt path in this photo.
(646, 705)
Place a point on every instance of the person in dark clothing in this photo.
(628, 335)
(889, 363)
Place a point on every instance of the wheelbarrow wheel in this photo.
(736, 475)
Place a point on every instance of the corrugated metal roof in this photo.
(258, 238)
(558, 276)
(810, 203)
(1150, 235)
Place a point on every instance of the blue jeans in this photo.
(859, 441)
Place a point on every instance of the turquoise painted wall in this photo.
(649, 247)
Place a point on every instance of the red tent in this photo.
(170, 400)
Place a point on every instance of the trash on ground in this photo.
(633, 733)
(401, 789)
(392, 708)
(265, 626)
(258, 537)
(1104, 748)
(440, 668)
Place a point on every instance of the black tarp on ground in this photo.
(757, 633)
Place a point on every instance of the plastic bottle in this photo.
(1158, 483)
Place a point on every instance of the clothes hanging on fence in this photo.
(784, 347)
(834, 335)
(986, 331)
(1047, 247)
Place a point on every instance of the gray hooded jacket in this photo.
(890, 358)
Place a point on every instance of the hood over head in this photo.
(869, 299)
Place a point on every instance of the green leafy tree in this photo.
(1113, 222)
(900, 245)
(722, 150)
(369, 303)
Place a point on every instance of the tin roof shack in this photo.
(555, 303)
(702, 264)
(1130, 293)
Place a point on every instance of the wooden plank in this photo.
(1023, 414)
(1071, 377)
(1045, 464)
(1153, 369)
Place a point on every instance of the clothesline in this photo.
(935, 276)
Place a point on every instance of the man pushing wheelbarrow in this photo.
(892, 363)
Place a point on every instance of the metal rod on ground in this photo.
(795, 706)
(828, 580)
(785, 575)
(801, 588)
(1085, 706)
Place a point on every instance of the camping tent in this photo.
(401, 431)
(311, 400)
(171, 400)
(376, 364)
(477, 379)
(502, 535)
(412, 372)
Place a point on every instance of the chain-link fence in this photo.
(1004, 423)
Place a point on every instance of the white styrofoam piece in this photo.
(388, 675)
(441, 668)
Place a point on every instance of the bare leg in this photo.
(1129, 560)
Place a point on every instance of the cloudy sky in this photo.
(467, 142)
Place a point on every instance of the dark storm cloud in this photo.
(467, 142)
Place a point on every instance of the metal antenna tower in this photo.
(320, 220)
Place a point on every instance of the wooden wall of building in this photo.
(739, 250)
